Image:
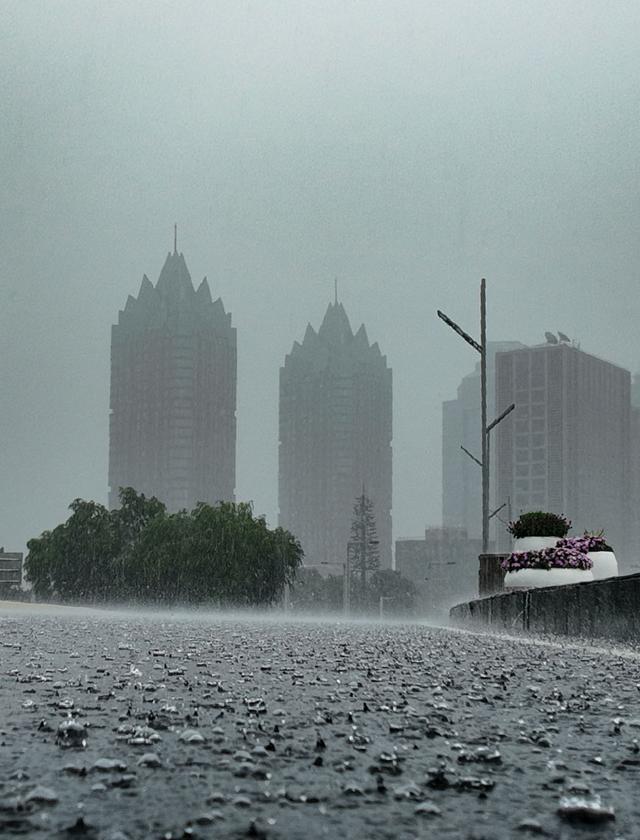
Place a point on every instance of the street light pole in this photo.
(483, 411)
(484, 463)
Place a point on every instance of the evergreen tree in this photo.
(364, 543)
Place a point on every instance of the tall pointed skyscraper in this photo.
(335, 437)
(173, 393)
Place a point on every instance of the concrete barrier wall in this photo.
(607, 609)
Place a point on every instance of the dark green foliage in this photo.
(539, 524)
(222, 555)
(313, 593)
(398, 592)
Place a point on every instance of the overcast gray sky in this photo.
(407, 147)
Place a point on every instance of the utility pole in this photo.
(483, 411)
(484, 463)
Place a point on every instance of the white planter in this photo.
(534, 543)
(605, 564)
(538, 578)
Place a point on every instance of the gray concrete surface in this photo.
(604, 609)
(133, 726)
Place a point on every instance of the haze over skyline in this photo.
(408, 149)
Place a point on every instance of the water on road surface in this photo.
(121, 725)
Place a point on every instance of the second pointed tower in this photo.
(335, 439)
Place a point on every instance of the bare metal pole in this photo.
(460, 331)
(485, 430)
(501, 417)
(473, 457)
(483, 410)
(497, 510)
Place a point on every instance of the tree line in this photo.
(385, 592)
(222, 555)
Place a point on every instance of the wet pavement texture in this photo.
(130, 726)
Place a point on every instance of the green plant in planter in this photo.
(539, 524)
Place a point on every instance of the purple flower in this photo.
(587, 542)
(566, 556)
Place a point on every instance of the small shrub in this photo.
(539, 524)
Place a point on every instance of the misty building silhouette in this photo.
(568, 448)
(173, 393)
(443, 565)
(335, 437)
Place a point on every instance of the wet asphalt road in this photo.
(126, 726)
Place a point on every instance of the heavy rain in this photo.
(319, 419)
(118, 724)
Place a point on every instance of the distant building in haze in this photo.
(567, 447)
(444, 567)
(461, 476)
(633, 564)
(10, 572)
(335, 438)
(173, 393)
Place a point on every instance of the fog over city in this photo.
(406, 148)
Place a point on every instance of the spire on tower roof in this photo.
(175, 238)
(335, 327)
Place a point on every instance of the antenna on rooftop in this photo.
(175, 239)
(335, 290)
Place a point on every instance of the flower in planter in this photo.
(539, 524)
(587, 542)
(559, 557)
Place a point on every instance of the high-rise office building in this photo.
(566, 448)
(173, 393)
(335, 439)
(461, 476)
(633, 562)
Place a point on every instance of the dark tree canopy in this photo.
(137, 552)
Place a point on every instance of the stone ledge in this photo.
(606, 609)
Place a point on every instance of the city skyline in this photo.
(410, 152)
(175, 265)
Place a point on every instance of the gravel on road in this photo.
(120, 725)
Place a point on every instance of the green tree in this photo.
(220, 554)
(364, 544)
(75, 560)
(130, 520)
(39, 564)
(154, 566)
